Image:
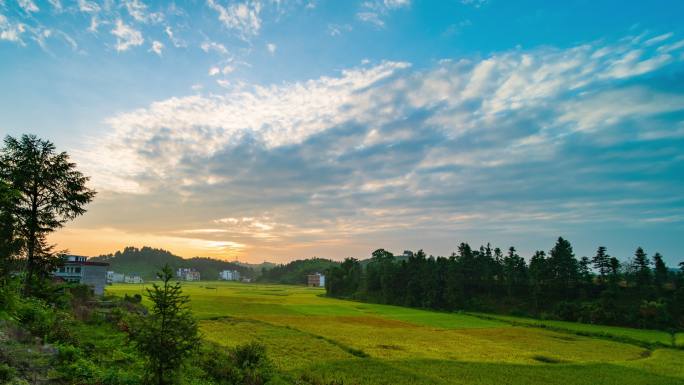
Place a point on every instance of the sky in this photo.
(284, 129)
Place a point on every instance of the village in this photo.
(79, 270)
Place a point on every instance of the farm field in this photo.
(322, 340)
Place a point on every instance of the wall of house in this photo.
(94, 276)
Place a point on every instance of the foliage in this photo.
(147, 261)
(168, 335)
(558, 285)
(295, 272)
(51, 192)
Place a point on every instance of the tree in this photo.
(563, 267)
(641, 269)
(515, 272)
(168, 335)
(51, 192)
(10, 245)
(584, 270)
(660, 270)
(614, 270)
(601, 262)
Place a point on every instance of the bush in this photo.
(45, 322)
(255, 368)
(6, 373)
(246, 364)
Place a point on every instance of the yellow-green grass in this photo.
(320, 339)
(637, 335)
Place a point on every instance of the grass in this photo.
(650, 337)
(321, 340)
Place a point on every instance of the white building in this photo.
(77, 269)
(188, 274)
(229, 275)
(134, 278)
(114, 277)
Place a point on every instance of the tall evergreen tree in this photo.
(660, 271)
(601, 263)
(584, 270)
(563, 267)
(51, 192)
(169, 334)
(641, 269)
(10, 244)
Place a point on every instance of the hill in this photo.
(295, 272)
(147, 261)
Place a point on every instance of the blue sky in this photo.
(283, 129)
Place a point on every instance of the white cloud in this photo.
(244, 17)
(338, 29)
(178, 43)
(271, 48)
(138, 11)
(213, 71)
(211, 46)
(126, 36)
(28, 5)
(10, 31)
(373, 11)
(87, 6)
(371, 17)
(57, 5)
(157, 47)
(522, 102)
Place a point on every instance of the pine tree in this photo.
(641, 269)
(563, 267)
(168, 335)
(51, 192)
(601, 263)
(660, 270)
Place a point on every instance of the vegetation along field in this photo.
(326, 340)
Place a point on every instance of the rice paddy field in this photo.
(321, 340)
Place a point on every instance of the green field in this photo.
(320, 340)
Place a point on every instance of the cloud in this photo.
(271, 48)
(526, 141)
(28, 6)
(243, 17)
(126, 36)
(157, 47)
(211, 46)
(11, 31)
(57, 5)
(178, 43)
(338, 29)
(138, 11)
(87, 6)
(373, 12)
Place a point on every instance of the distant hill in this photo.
(147, 261)
(295, 272)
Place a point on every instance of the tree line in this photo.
(642, 292)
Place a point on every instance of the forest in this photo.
(643, 292)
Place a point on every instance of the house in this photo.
(188, 274)
(133, 278)
(77, 269)
(315, 280)
(114, 277)
(229, 275)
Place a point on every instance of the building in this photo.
(188, 274)
(77, 269)
(315, 280)
(114, 277)
(133, 278)
(229, 275)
